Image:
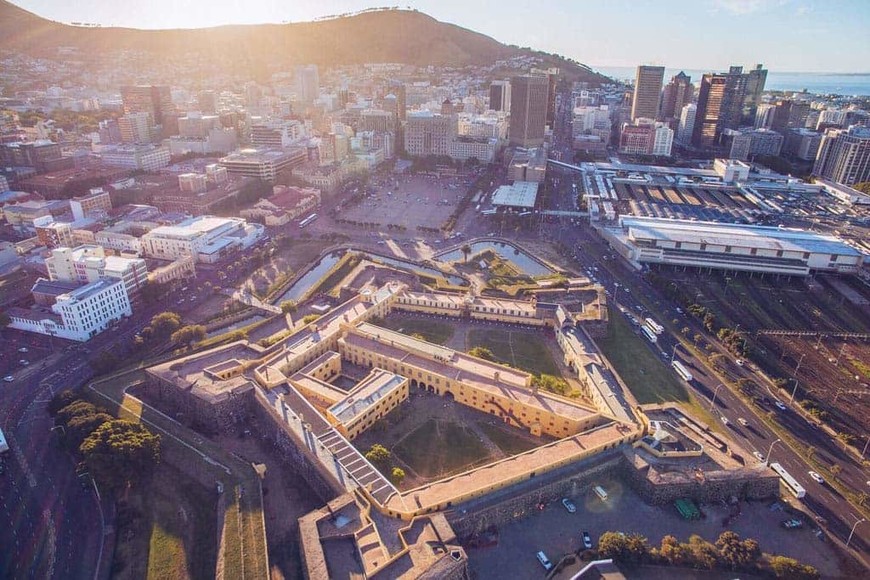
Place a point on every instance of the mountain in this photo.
(399, 36)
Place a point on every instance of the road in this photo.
(52, 527)
(625, 284)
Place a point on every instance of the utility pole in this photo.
(716, 392)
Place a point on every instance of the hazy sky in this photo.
(785, 35)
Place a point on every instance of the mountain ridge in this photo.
(379, 36)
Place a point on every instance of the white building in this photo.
(79, 314)
(276, 134)
(731, 170)
(687, 123)
(264, 165)
(482, 148)
(142, 157)
(208, 238)
(734, 247)
(90, 263)
(663, 140)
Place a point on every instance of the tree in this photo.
(397, 475)
(288, 307)
(104, 362)
(378, 455)
(466, 250)
(120, 453)
(790, 568)
(612, 545)
(59, 401)
(164, 324)
(308, 319)
(552, 384)
(482, 352)
(188, 334)
(704, 554)
(79, 427)
(835, 470)
(673, 552)
(4, 320)
(735, 552)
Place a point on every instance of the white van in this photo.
(599, 491)
(545, 562)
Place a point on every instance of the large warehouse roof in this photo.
(520, 194)
(712, 233)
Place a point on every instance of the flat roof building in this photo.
(519, 195)
(264, 164)
(208, 238)
(731, 247)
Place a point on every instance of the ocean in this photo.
(818, 83)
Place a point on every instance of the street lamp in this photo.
(849, 539)
(716, 392)
(798, 367)
(794, 391)
(769, 449)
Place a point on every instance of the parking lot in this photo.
(412, 201)
(557, 532)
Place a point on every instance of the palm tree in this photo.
(466, 250)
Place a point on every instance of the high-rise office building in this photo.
(207, 102)
(687, 123)
(398, 89)
(154, 100)
(136, 128)
(500, 96)
(676, 95)
(552, 75)
(720, 105)
(755, 80)
(844, 155)
(647, 91)
(309, 82)
(529, 94)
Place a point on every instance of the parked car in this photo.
(816, 477)
(545, 562)
(792, 524)
(8, 378)
(569, 505)
(587, 541)
(22, 349)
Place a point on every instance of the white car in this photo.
(743, 421)
(739, 362)
(758, 456)
(780, 405)
(569, 505)
(8, 378)
(724, 420)
(816, 477)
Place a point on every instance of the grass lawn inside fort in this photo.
(431, 330)
(441, 448)
(523, 350)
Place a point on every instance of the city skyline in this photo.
(782, 30)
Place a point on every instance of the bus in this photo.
(788, 481)
(682, 371)
(308, 220)
(649, 334)
(654, 326)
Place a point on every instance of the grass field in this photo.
(649, 380)
(431, 330)
(508, 442)
(520, 350)
(245, 553)
(440, 448)
(166, 530)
